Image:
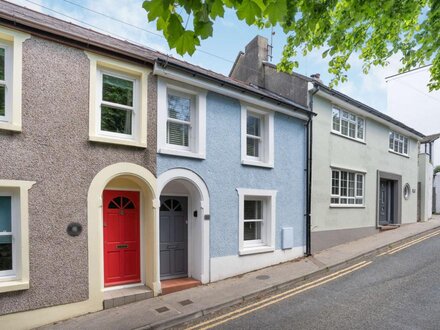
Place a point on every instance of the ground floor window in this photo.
(347, 188)
(7, 234)
(256, 220)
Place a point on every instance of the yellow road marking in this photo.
(279, 297)
(401, 247)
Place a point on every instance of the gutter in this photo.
(309, 149)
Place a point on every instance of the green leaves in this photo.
(372, 30)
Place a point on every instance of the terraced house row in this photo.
(126, 173)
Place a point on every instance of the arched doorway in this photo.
(183, 225)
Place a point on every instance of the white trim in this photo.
(14, 40)
(357, 117)
(268, 244)
(405, 138)
(197, 132)
(202, 203)
(98, 64)
(267, 147)
(20, 279)
(221, 89)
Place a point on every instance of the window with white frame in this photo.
(398, 143)
(257, 137)
(181, 119)
(348, 124)
(257, 220)
(347, 188)
(118, 102)
(14, 245)
(11, 45)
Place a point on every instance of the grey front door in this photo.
(386, 202)
(173, 237)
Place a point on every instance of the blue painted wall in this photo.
(223, 173)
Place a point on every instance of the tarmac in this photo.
(180, 307)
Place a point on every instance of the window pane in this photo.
(359, 201)
(115, 120)
(5, 214)
(2, 100)
(336, 120)
(359, 185)
(117, 90)
(178, 134)
(253, 125)
(360, 128)
(252, 210)
(334, 200)
(391, 140)
(405, 146)
(5, 252)
(252, 147)
(344, 127)
(179, 107)
(335, 183)
(352, 130)
(2, 63)
(252, 231)
(351, 184)
(344, 184)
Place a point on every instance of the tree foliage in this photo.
(373, 30)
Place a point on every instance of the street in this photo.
(398, 289)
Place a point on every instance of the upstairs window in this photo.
(180, 109)
(3, 82)
(257, 141)
(347, 188)
(398, 143)
(348, 124)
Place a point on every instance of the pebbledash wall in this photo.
(223, 173)
(53, 150)
(335, 225)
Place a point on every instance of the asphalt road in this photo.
(397, 291)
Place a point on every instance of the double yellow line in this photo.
(406, 245)
(277, 298)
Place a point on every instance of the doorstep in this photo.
(388, 227)
(123, 296)
(178, 284)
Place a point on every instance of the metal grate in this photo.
(185, 302)
(162, 309)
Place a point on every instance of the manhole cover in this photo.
(162, 309)
(185, 302)
(262, 277)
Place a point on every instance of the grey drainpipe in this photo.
(309, 175)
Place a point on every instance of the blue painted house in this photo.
(232, 165)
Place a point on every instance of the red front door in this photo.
(121, 237)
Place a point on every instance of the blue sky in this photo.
(217, 53)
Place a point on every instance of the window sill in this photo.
(257, 163)
(255, 250)
(181, 153)
(350, 206)
(398, 154)
(16, 285)
(104, 139)
(10, 127)
(348, 137)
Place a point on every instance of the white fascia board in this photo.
(223, 90)
(365, 114)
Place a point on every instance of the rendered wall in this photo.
(333, 150)
(426, 171)
(437, 193)
(223, 173)
(54, 151)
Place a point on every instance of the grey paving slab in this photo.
(214, 296)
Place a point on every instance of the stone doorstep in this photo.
(388, 227)
(178, 284)
(123, 296)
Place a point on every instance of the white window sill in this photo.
(181, 153)
(17, 285)
(105, 139)
(10, 127)
(256, 249)
(345, 206)
(251, 162)
(348, 137)
(397, 153)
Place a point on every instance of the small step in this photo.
(388, 227)
(178, 284)
(123, 296)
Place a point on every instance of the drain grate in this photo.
(185, 302)
(262, 277)
(162, 309)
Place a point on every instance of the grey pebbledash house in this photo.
(368, 171)
(123, 169)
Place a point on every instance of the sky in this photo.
(129, 22)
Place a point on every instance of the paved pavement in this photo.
(210, 298)
(395, 291)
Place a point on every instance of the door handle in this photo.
(171, 247)
(122, 246)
